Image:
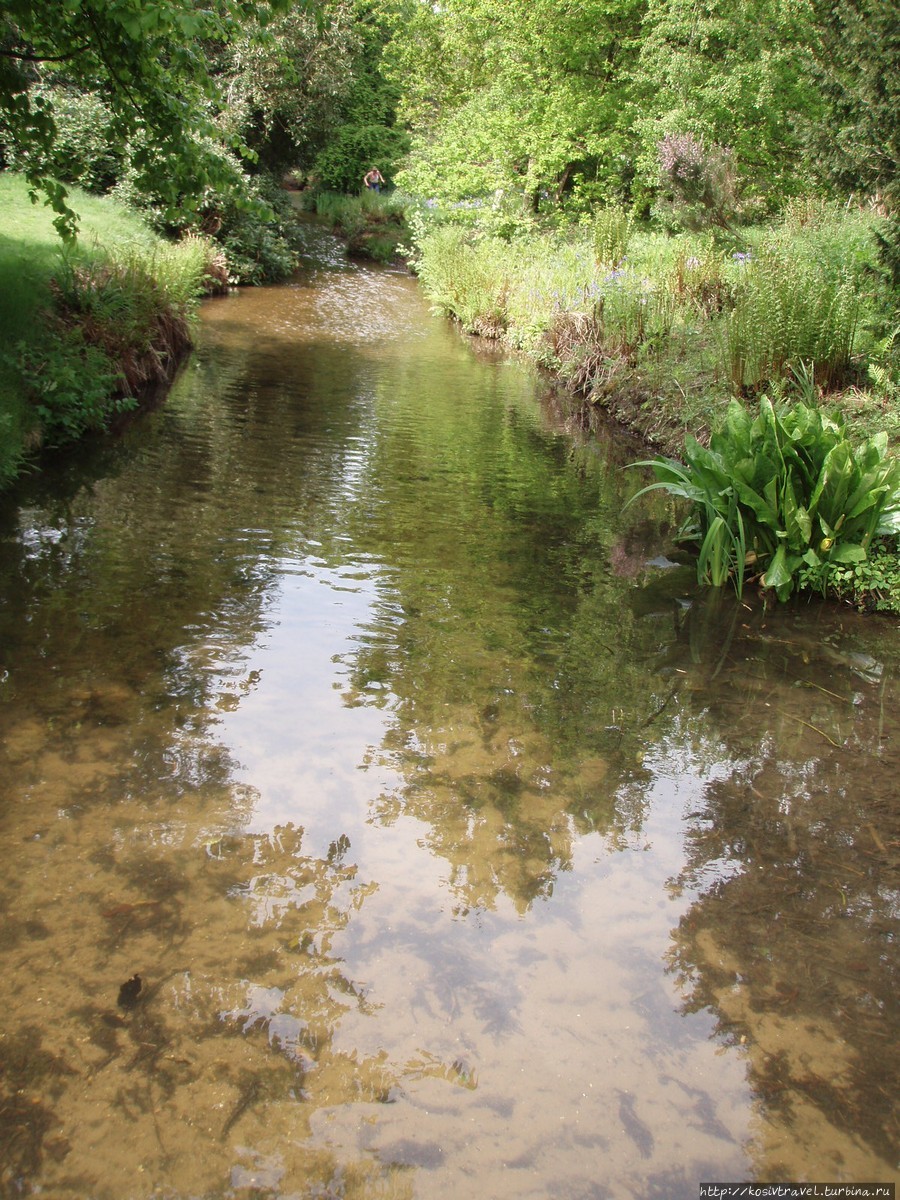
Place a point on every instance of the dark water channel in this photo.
(461, 847)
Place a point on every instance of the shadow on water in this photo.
(385, 813)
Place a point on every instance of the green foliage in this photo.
(258, 250)
(119, 321)
(340, 166)
(854, 64)
(372, 223)
(467, 279)
(288, 84)
(790, 309)
(151, 61)
(780, 493)
(872, 585)
(84, 150)
(730, 73)
(72, 385)
(254, 222)
(525, 99)
(612, 232)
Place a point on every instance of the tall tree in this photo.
(149, 60)
(286, 91)
(517, 96)
(855, 64)
(733, 72)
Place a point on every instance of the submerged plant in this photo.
(782, 492)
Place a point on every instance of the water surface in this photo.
(460, 845)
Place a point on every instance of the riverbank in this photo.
(678, 335)
(663, 329)
(89, 329)
(373, 226)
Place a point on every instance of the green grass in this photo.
(31, 256)
(120, 277)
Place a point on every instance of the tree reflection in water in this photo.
(791, 940)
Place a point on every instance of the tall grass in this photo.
(373, 223)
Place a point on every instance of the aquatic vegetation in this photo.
(782, 493)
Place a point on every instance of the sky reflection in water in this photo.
(460, 845)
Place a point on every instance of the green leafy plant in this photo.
(790, 309)
(872, 585)
(612, 232)
(782, 492)
(71, 385)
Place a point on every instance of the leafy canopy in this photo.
(149, 60)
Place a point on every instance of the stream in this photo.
(386, 813)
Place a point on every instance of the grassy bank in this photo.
(87, 329)
(664, 329)
(372, 224)
(777, 344)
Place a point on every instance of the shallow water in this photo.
(460, 845)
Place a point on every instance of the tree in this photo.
(733, 73)
(148, 60)
(528, 98)
(286, 91)
(856, 65)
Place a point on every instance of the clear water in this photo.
(460, 845)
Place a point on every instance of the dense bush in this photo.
(697, 182)
(340, 166)
(84, 152)
(255, 223)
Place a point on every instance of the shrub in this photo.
(120, 322)
(780, 494)
(789, 309)
(340, 166)
(84, 153)
(254, 223)
(71, 384)
(697, 182)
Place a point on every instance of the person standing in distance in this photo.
(373, 180)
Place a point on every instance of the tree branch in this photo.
(41, 58)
